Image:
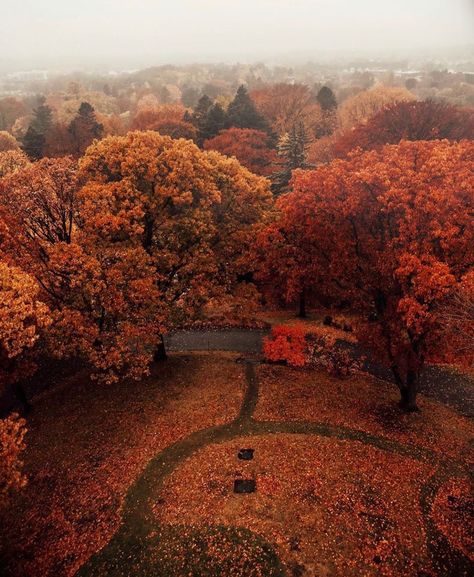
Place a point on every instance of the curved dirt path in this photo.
(439, 383)
(137, 520)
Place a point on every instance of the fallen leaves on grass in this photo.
(331, 507)
(86, 445)
(363, 403)
(453, 512)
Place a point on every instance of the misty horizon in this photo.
(99, 35)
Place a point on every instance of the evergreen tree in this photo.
(208, 118)
(292, 149)
(33, 143)
(35, 138)
(242, 112)
(199, 116)
(84, 128)
(215, 121)
(326, 99)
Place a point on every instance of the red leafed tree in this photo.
(167, 119)
(250, 147)
(392, 233)
(42, 196)
(409, 120)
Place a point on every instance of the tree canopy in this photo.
(389, 232)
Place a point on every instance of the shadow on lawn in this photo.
(182, 550)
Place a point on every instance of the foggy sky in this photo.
(137, 33)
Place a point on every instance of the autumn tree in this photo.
(59, 141)
(10, 110)
(250, 147)
(187, 213)
(409, 120)
(114, 124)
(102, 298)
(8, 142)
(106, 304)
(42, 197)
(391, 233)
(364, 105)
(289, 105)
(149, 232)
(84, 128)
(23, 317)
(457, 322)
(11, 161)
(167, 119)
(322, 150)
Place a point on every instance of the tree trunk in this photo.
(148, 233)
(408, 393)
(160, 353)
(302, 305)
(20, 395)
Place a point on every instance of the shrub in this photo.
(286, 344)
(324, 353)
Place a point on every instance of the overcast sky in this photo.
(130, 33)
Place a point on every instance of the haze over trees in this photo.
(148, 228)
(206, 196)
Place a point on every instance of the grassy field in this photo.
(137, 479)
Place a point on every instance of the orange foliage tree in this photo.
(101, 299)
(250, 147)
(23, 318)
(187, 214)
(11, 161)
(389, 232)
(409, 120)
(359, 108)
(8, 142)
(287, 105)
(42, 197)
(148, 231)
(167, 119)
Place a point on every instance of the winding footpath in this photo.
(137, 518)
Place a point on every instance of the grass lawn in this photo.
(137, 479)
